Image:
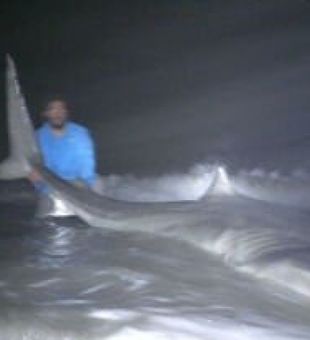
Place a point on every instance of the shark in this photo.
(92, 207)
(246, 220)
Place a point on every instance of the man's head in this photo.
(56, 113)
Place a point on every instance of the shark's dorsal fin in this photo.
(219, 185)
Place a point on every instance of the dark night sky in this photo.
(165, 84)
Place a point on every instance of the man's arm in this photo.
(34, 176)
(87, 160)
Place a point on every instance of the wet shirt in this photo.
(70, 156)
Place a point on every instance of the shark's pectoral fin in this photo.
(51, 206)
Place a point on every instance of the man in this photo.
(67, 148)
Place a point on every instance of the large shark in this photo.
(95, 209)
(234, 219)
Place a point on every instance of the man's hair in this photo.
(56, 98)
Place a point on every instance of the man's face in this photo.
(57, 113)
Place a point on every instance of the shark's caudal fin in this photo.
(23, 148)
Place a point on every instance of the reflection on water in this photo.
(61, 279)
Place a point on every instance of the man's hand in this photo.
(34, 176)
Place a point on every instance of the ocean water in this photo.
(243, 275)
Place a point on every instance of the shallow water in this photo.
(61, 279)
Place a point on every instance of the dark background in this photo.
(166, 84)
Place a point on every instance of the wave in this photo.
(257, 222)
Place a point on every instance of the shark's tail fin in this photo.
(23, 149)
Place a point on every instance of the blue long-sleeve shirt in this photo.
(70, 156)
